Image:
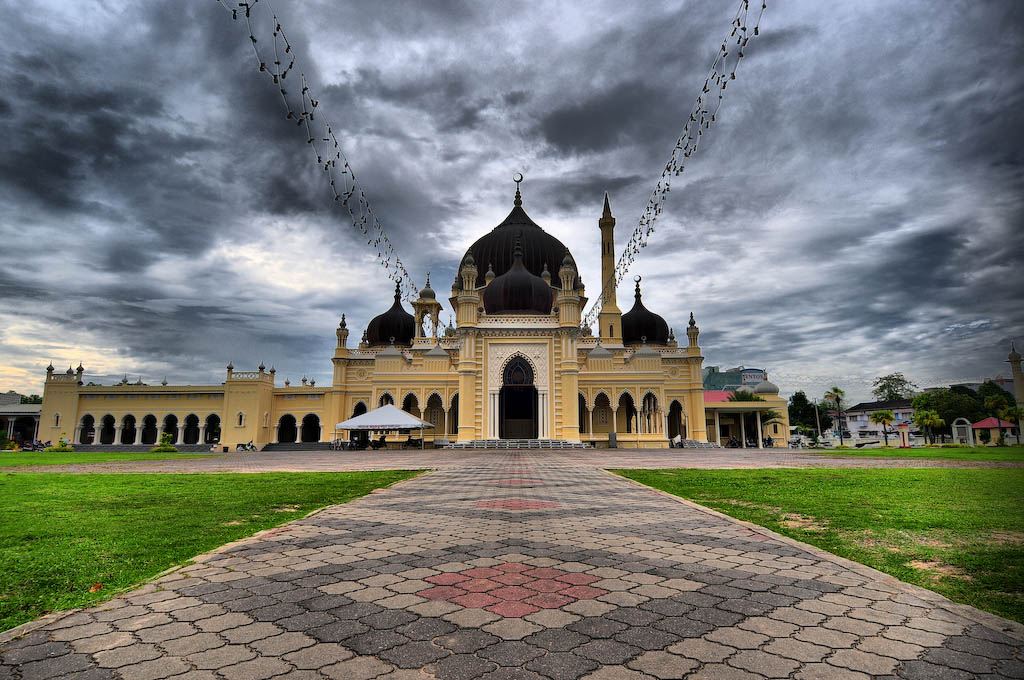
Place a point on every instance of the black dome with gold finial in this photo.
(395, 325)
(539, 248)
(642, 325)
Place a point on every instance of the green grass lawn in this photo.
(959, 532)
(22, 458)
(978, 453)
(60, 534)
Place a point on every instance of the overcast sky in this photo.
(857, 210)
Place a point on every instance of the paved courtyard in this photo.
(520, 566)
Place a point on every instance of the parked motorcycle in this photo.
(246, 447)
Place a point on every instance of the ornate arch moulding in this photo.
(535, 353)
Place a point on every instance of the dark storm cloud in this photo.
(856, 210)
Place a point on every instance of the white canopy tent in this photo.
(387, 417)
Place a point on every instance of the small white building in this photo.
(858, 417)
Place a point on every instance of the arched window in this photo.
(241, 419)
(386, 399)
(56, 420)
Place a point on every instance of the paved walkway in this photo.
(514, 567)
(326, 461)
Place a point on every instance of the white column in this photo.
(718, 430)
(77, 439)
(320, 433)
(202, 433)
(615, 420)
(117, 434)
(137, 439)
(492, 415)
(177, 432)
(445, 411)
(10, 428)
(743, 431)
(542, 430)
(590, 422)
(760, 434)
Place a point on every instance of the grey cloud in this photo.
(857, 205)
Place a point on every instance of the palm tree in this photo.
(1013, 414)
(929, 421)
(836, 396)
(883, 418)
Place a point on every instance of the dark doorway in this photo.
(675, 421)
(517, 402)
(150, 431)
(107, 430)
(212, 433)
(128, 430)
(190, 434)
(287, 432)
(311, 428)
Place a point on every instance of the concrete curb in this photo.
(1004, 626)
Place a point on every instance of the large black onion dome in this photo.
(517, 291)
(396, 324)
(642, 325)
(539, 247)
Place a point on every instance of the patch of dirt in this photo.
(795, 521)
(746, 504)
(286, 508)
(232, 523)
(1007, 537)
(938, 569)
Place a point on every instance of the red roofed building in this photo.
(995, 428)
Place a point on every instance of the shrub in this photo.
(165, 445)
(62, 446)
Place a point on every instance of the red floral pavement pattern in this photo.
(511, 589)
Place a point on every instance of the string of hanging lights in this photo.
(702, 115)
(308, 114)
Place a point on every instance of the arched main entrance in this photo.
(311, 428)
(517, 402)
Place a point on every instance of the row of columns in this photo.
(658, 425)
(743, 428)
(179, 432)
(11, 421)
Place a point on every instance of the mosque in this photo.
(516, 366)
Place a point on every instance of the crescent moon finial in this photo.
(517, 178)
(637, 278)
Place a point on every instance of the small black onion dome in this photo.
(396, 324)
(642, 325)
(518, 291)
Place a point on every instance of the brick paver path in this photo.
(326, 461)
(520, 568)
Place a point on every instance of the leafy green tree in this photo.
(835, 397)
(950, 405)
(801, 410)
(991, 389)
(929, 421)
(31, 399)
(883, 418)
(892, 387)
(996, 403)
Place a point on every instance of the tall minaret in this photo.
(1018, 376)
(610, 318)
